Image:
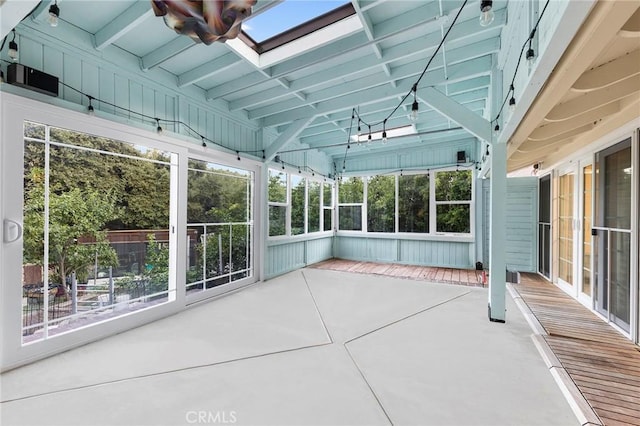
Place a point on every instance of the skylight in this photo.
(391, 133)
(286, 16)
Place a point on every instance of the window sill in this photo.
(461, 238)
(285, 239)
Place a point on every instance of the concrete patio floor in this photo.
(313, 347)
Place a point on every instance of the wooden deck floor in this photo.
(468, 277)
(604, 365)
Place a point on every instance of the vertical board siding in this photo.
(422, 157)
(285, 257)
(415, 252)
(96, 77)
(522, 207)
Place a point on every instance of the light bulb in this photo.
(13, 51)
(414, 111)
(90, 110)
(486, 13)
(512, 104)
(384, 136)
(54, 14)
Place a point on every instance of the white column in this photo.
(498, 234)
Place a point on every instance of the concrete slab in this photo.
(451, 366)
(270, 317)
(316, 386)
(353, 304)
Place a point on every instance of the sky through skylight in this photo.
(286, 15)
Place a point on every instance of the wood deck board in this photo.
(468, 277)
(604, 365)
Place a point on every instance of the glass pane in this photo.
(587, 174)
(107, 238)
(219, 216)
(381, 204)
(453, 218)
(453, 186)
(33, 234)
(298, 185)
(617, 189)
(277, 220)
(413, 203)
(620, 270)
(544, 213)
(277, 186)
(565, 244)
(327, 195)
(350, 218)
(328, 219)
(314, 206)
(351, 190)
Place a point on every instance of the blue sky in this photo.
(286, 15)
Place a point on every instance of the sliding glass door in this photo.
(612, 276)
(566, 227)
(544, 226)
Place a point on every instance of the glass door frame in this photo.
(542, 244)
(586, 300)
(569, 288)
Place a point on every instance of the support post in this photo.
(74, 293)
(498, 234)
(112, 290)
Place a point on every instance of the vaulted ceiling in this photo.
(369, 64)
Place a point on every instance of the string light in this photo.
(384, 131)
(238, 154)
(54, 14)
(13, 47)
(486, 13)
(159, 128)
(204, 144)
(90, 109)
(414, 106)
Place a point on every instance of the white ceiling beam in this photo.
(286, 137)
(123, 23)
(169, 50)
(208, 69)
(458, 72)
(475, 124)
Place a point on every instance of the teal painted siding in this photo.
(522, 208)
(114, 76)
(452, 254)
(286, 256)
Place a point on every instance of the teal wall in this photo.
(522, 216)
(286, 256)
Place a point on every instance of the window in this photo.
(453, 201)
(278, 202)
(219, 227)
(381, 204)
(350, 202)
(313, 203)
(327, 206)
(96, 229)
(413, 203)
(298, 204)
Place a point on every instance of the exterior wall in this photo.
(452, 254)
(286, 256)
(522, 213)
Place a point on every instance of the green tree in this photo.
(72, 215)
(381, 204)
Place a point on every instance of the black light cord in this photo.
(414, 87)
(528, 41)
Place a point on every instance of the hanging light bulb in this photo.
(414, 106)
(13, 48)
(384, 131)
(531, 54)
(204, 144)
(487, 153)
(54, 14)
(496, 129)
(159, 128)
(90, 109)
(512, 104)
(486, 13)
(369, 136)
